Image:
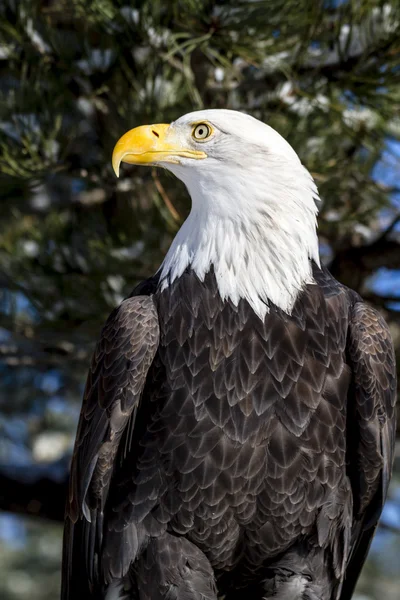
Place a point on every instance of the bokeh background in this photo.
(74, 240)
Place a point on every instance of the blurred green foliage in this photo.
(74, 240)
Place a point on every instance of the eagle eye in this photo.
(202, 131)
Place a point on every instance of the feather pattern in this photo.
(260, 454)
(114, 385)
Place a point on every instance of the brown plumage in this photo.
(218, 454)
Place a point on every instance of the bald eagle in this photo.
(237, 427)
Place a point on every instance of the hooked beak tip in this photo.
(116, 162)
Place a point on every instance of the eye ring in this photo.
(201, 132)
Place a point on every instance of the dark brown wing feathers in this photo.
(371, 429)
(114, 385)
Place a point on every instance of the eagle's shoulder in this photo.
(331, 286)
(147, 287)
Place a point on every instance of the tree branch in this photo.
(352, 265)
(36, 490)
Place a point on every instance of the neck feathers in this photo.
(260, 239)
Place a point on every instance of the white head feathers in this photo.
(253, 214)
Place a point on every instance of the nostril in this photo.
(155, 133)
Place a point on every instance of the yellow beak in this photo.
(149, 145)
